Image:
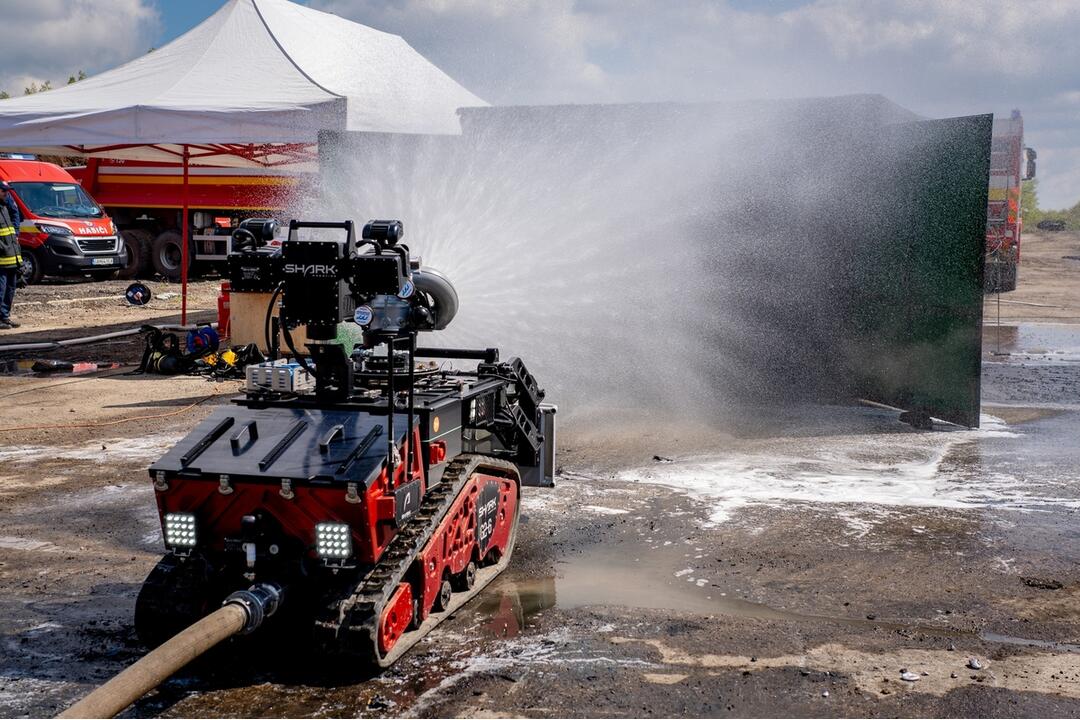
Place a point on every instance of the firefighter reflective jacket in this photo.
(10, 256)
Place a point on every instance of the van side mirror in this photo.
(1029, 156)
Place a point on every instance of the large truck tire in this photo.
(140, 246)
(166, 256)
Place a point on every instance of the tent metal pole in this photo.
(186, 241)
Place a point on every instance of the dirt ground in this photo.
(59, 304)
(1046, 285)
(798, 570)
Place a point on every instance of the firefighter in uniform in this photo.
(10, 258)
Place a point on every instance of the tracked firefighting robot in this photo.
(368, 491)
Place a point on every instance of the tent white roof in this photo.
(256, 71)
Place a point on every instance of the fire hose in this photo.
(242, 613)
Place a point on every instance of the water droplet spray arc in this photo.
(671, 259)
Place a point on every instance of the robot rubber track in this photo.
(356, 625)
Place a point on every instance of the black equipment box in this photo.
(316, 290)
(258, 271)
(384, 273)
(300, 445)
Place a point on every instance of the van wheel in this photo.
(32, 270)
(166, 256)
(139, 246)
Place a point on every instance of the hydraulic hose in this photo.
(287, 334)
(269, 315)
(242, 613)
(56, 344)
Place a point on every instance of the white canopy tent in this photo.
(250, 86)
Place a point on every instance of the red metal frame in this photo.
(396, 617)
(451, 547)
(371, 517)
(260, 154)
(186, 236)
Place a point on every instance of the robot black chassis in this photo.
(381, 501)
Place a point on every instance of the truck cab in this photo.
(1011, 164)
(64, 231)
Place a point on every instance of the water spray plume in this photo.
(683, 260)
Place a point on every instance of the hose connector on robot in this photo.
(260, 601)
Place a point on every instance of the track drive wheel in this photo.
(442, 600)
(465, 579)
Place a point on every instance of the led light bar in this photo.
(333, 541)
(180, 530)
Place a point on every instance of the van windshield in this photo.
(58, 200)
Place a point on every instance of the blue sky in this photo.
(179, 16)
(938, 58)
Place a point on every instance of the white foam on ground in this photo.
(18, 693)
(17, 543)
(894, 469)
(111, 450)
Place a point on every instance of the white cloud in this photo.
(936, 57)
(505, 51)
(54, 39)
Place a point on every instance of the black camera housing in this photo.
(385, 232)
(315, 273)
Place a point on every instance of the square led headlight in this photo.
(180, 530)
(333, 541)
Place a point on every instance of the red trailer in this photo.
(145, 200)
(1010, 164)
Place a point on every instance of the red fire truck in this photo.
(145, 200)
(1010, 164)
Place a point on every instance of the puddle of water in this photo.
(18, 543)
(1034, 341)
(604, 579)
(15, 367)
(1028, 642)
(507, 607)
(48, 368)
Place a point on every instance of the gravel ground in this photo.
(74, 304)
